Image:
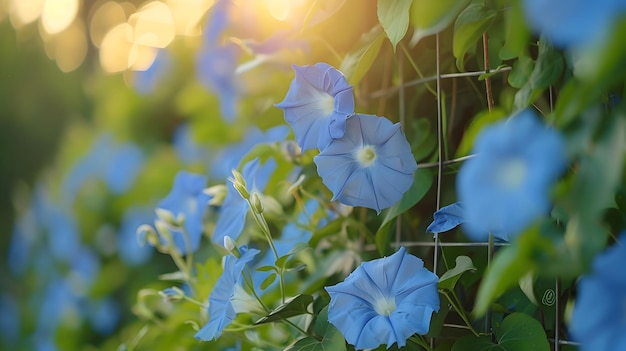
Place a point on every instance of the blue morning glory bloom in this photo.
(598, 321)
(188, 199)
(568, 23)
(130, 251)
(10, 321)
(447, 218)
(104, 315)
(317, 104)
(232, 217)
(221, 311)
(370, 166)
(506, 186)
(384, 301)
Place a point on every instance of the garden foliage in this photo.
(356, 174)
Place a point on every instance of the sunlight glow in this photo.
(23, 12)
(107, 16)
(279, 9)
(58, 15)
(115, 48)
(188, 15)
(153, 25)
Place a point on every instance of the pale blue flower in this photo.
(317, 104)
(598, 321)
(130, 251)
(568, 23)
(104, 315)
(147, 81)
(122, 168)
(507, 185)
(232, 216)
(187, 149)
(221, 311)
(384, 301)
(370, 166)
(188, 199)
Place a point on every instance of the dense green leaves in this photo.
(327, 337)
(358, 61)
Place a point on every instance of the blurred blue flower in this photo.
(185, 146)
(146, 82)
(221, 311)
(188, 199)
(384, 301)
(125, 162)
(10, 321)
(370, 166)
(129, 248)
(568, 23)
(85, 267)
(216, 71)
(598, 321)
(232, 216)
(228, 158)
(317, 104)
(103, 314)
(506, 186)
(23, 239)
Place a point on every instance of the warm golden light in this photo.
(58, 15)
(279, 9)
(188, 15)
(71, 47)
(140, 57)
(107, 16)
(23, 12)
(153, 25)
(115, 48)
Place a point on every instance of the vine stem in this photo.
(488, 90)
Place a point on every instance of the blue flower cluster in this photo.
(364, 160)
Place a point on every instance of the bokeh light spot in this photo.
(107, 16)
(23, 12)
(188, 15)
(115, 48)
(153, 25)
(58, 15)
(71, 47)
(279, 9)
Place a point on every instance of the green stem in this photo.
(416, 68)
(419, 340)
(456, 304)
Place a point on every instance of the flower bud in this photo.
(230, 245)
(256, 202)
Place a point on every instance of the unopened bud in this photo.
(230, 245)
(241, 189)
(172, 294)
(169, 218)
(147, 234)
(217, 194)
(256, 202)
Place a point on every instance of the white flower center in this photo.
(511, 173)
(327, 103)
(366, 156)
(385, 307)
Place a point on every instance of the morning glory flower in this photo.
(188, 199)
(447, 218)
(221, 311)
(317, 105)
(147, 81)
(123, 167)
(187, 149)
(568, 23)
(505, 187)
(370, 166)
(232, 217)
(598, 321)
(384, 301)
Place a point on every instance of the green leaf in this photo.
(429, 17)
(294, 306)
(521, 71)
(268, 281)
(518, 332)
(468, 29)
(509, 265)
(423, 139)
(548, 68)
(448, 279)
(394, 17)
(521, 332)
(516, 33)
(328, 337)
(422, 180)
(359, 61)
